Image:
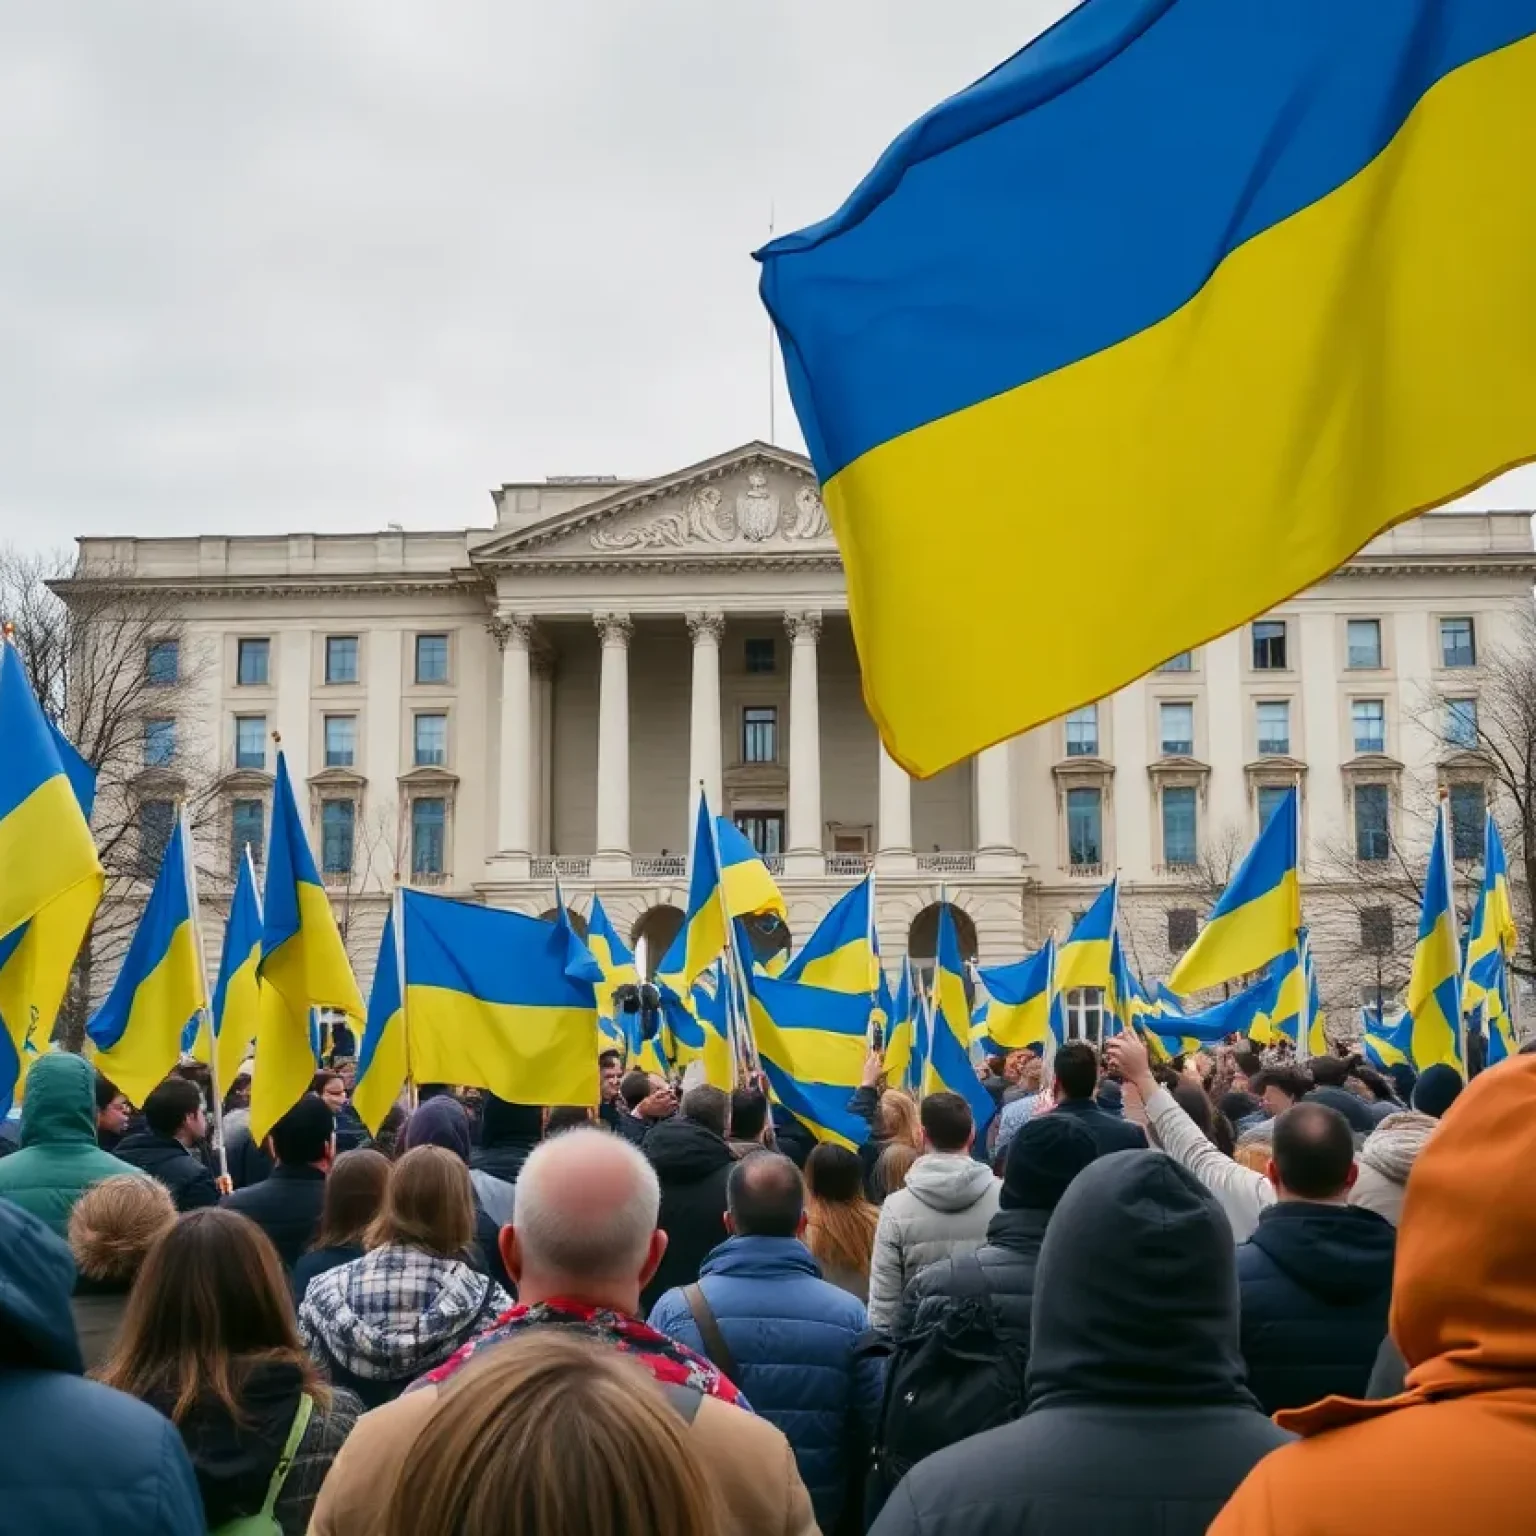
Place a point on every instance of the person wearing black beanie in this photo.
(1437, 1089)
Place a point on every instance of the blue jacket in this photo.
(1315, 1283)
(792, 1335)
(75, 1455)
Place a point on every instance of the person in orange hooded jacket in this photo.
(1454, 1450)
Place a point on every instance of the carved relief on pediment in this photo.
(753, 514)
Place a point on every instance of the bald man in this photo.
(581, 1246)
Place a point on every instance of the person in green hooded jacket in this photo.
(59, 1159)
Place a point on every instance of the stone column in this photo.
(895, 829)
(707, 630)
(513, 633)
(613, 743)
(804, 855)
(995, 850)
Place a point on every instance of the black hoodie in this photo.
(692, 1165)
(1138, 1419)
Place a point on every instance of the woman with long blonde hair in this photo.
(840, 1221)
(552, 1434)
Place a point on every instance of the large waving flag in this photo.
(500, 1001)
(1256, 918)
(949, 1054)
(1434, 986)
(1293, 1011)
(236, 1011)
(843, 954)
(616, 961)
(382, 1063)
(1226, 252)
(749, 887)
(1210, 1026)
(1024, 1000)
(52, 877)
(136, 1034)
(702, 937)
(1083, 961)
(303, 964)
(1386, 1045)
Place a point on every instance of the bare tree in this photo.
(99, 655)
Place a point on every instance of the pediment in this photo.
(755, 500)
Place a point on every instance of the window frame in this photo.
(1380, 747)
(330, 868)
(752, 728)
(1264, 792)
(417, 760)
(171, 645)
(745, 820)
(1079, 794)
(1181, 746)
(1384, 832)
(150, 859)
(331, 681)
(1470, 620)
(418, 803)
(326, 721)
(1074, 720)
(1193, 802)
(153, 759)
(753, 646)
(253, 645)
(1283, 638)
(416, 652)
(242, 764)
(1451, 712)
(1467, 850)
(237, 844)
(1350, 664)
(1180, 665)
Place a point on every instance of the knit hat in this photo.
(1046, 1155)
(440, 1122)
(1392, 1147)
(1354, 1109)
(1437, 1089)
(1110, 1099)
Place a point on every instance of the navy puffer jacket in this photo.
(792, 1335)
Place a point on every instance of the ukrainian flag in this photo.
(843, 954)
(616, 961)
(812, 1044)
(303, 965)
(1434, 987)
(1162, 1010)
(712, 1008)
(903, 1063)
(1234, 1015)
(236, 1010)
(53, 878)
(1386, 1045)
(749, 888)
(1492, 937)
(1023, 1000)
(136, 1033)
(1256, 917)
(382, 1064)
(703, 933)
(499, 1001)
(1083, 961)
(1175, 258)
(949, 1060)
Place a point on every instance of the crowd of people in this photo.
(1244, 1294)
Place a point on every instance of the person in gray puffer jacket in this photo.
(378, 1323)
(944, 1210)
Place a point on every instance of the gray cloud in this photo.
(327, 263)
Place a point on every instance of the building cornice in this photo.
(266, 587)
(1505, 564)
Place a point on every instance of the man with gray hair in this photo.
(582, 1242)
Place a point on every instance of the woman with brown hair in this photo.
(377, 1323)
(893, 1121)
(552, 1434)
(209, 1340)
(354, 1195)
(840, 1222)
(112, 1227)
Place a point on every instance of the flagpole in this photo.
(870, 936)
(194, 910)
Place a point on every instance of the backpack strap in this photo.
(969, 1277)
(296, 1430)
(715, 1346)
(684, 1399)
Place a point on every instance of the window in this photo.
(1269, 646)
(156, 820)
(1176, 729)
(340, 741)
(162, 663)
(431, 741)
(341, 658)
(1274, 727)
(431, 658)
(1083, 732)
(1461, 723)
(757, 656)
(1271, 798)
(1183, 927)
(759, 734)
(428, 817)
(1469, 807)
(1085, 827)
(247, 829)
(1458, 643)
(1368, 717)
(1179, 824)
(252, 661)
(337, 818)
(1085, 1014)
(1363, 643)
(1183, 662)
(1376, 935)
(250, 741)
(1373, 836)
(764, 830)
(159, 743)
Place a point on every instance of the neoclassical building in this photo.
(479, 711)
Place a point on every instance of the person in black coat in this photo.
(1076, 1073)
(175, 1122)
(1137, 1416)
(1316, 1276)
(1042, 1161)
(692, 1161)
(286, 1205)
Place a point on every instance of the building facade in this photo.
(476, 712)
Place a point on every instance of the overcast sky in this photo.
(324, 264)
